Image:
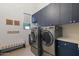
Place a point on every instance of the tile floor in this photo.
(20, 52)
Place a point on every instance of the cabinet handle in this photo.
(65, 44)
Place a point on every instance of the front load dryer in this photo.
(48, 37)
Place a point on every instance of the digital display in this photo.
(27, 27)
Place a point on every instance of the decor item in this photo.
(13, 32)
(9, 22)
(16, 22)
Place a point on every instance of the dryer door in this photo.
(47, 38)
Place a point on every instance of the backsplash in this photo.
(71, 31)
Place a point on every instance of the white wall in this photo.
(16, 11)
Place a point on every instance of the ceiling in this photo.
(38, 6)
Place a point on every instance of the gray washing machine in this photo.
(35, 42)
(48, 40)
(33, 37)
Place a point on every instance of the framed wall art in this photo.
(9, 22)
(17, 23)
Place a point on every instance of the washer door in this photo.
(47, 38)
(32, 38)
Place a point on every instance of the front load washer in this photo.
(35, 42)
(49, 34)
(33, 37)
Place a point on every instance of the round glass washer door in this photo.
(47, 38)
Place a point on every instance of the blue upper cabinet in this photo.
(48, 15)
(51, 14)
(58, 13)
(75, 12)
(65, 13)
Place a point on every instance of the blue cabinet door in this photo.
(66, 48)
(65, 13)
(52, 14)
(48, 15)
(63, 51)
(75, 12)
(77, 52)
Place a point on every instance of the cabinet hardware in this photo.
(65, 44)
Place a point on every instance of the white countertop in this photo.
(72, 40)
